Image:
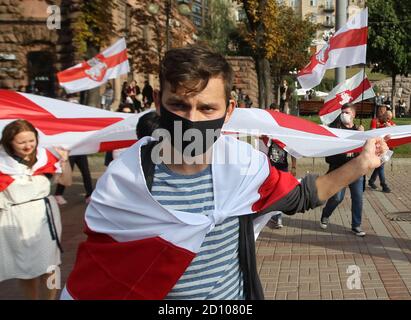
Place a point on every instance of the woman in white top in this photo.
(30, 225)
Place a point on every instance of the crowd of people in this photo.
(224, 267)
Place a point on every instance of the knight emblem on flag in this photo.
(98, 68)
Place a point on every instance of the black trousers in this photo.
(82, 164)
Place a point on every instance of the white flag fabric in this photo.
(81, 129)
(87, 130)
(347, 47)
(124, 223)
(353, 90)
(109, 64)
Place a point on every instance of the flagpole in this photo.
(363, 78)
(362, 95)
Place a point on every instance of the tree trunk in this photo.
(93, 98)
(264, 83)
(393, 76)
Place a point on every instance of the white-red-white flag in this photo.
(109, 64)
(81, 129)
(353, 90)
(347, 47)
(87, 130)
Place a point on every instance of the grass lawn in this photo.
(330, 74)
(403, 151)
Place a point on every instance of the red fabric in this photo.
(15, 106)
(73, 74)
(295, 123)
(5, 181)
(141, 269)
(49, 167)
(277, 185)
(373, 124)
(112, 145)
(350, 38)
(335, 103)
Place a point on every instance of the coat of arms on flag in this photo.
(90, 74)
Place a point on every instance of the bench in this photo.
(312, 107)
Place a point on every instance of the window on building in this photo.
(196, 8)
(313, 18)
(313, 3)
(198, 21)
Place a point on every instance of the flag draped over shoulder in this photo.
(347, 47)
(87, 130)
(353, 90)
(90, 74)
(125, 223)
(10, 168)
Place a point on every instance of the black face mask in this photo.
(204, 135)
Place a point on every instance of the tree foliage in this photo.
(264, 34)
(389, 36)
(147, 38)
(219, 26)
(94, 25)
(298, 35)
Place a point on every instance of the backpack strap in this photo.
(147, 163)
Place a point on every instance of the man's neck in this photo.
(188, 166)
(187, 169)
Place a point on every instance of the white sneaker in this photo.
(60, 200)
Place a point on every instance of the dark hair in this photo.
(349, 105)
(192, 67)
(274, 106)
(147, 124)
(13, 129)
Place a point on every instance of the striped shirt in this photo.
(215, 271)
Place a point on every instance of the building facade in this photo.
(34, 47)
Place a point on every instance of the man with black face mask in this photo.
(174, 217)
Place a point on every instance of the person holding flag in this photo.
(173, 219)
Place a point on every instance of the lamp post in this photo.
(182, 7)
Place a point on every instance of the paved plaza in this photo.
(302, 261)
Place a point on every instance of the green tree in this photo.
(264, 37)
(219, 26)
(389, 38)
(293, 54)
(93, 27)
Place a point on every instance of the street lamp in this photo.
(182, 7)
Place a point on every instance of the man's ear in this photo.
(230, 109)
(157, 100)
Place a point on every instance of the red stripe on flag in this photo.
(15, 106)
(49, 167)
(334, 104)
(141, 269)
(308, 69)
(112, 145)
(79, 73)
(349, 38)
(295, 123)
(277, 185)
(5, 181)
